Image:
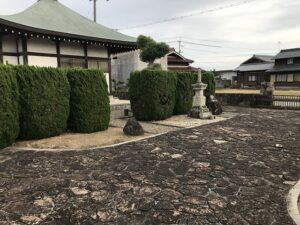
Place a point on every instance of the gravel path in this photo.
(237, 171)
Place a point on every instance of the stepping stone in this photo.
(219, 142)
(79, 191)
(176, 156)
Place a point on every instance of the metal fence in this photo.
(286, 102)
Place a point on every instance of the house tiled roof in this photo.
(51, 17)
(182, 58)
(255, 67)
(288, 53)
(265, 58)
(289, 68)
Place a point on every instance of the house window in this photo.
(99, 64)
(297, 77)
(252, 78)
(281, 78)
(72, 63)
(290, 61)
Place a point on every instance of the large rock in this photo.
(133, 128)
(214, 105)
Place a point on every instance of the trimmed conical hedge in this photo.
(184, 92)
(44, 101)
(152, 94)
(89, 103)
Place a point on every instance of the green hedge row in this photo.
(89, 103)
(38, 102)
(9, 114)
(157, 95)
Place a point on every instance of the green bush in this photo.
(89, 102)
(44, 102)
(9, 115)
(152, 94)
(184, 92)
(209, 79)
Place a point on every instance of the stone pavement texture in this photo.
(237, 171)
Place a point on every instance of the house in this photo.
(286, 71)
(123, 64)
(226, 78)
(251, 73)
(178, 63)
(50, 34)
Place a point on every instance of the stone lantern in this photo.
(199, 109)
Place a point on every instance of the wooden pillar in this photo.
(58, 54)
(109, 73)
(1, 50)
(24, 49)
(86, 62)
(17, 48)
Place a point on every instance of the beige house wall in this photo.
(273, 78)
(290, 78)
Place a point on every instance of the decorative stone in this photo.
(133, 128)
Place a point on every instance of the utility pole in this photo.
(279, 45)
(95, 9)
(180, 46)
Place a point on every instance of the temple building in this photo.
(50, 34)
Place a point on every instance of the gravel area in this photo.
(235, 172)
(114, 135)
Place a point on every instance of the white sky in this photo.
(239, 32)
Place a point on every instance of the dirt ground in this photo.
(114, 135)
(250, 91)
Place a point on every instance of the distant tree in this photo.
(151, 50)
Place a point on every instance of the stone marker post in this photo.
(199, 109)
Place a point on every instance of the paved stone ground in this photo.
(233, 172)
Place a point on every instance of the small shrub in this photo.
(184, 92)
(89, 102)
(44, 101)
(152, 94)
(151, 50)
(9, 115)
(209, 79)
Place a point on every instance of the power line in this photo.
(216, 46)
(189, 15)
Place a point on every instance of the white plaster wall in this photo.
(42, 61)
(21, 60)
(9, 44)
(13, 60)
(41, 46)
(20, 45)
(97, 51)
(71, 49)
(107, 80)
(228, 75)
(130, 61)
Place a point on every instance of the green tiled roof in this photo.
(51, 17)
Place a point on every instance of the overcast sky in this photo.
(234, 34)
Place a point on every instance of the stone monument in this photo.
(199, 109)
